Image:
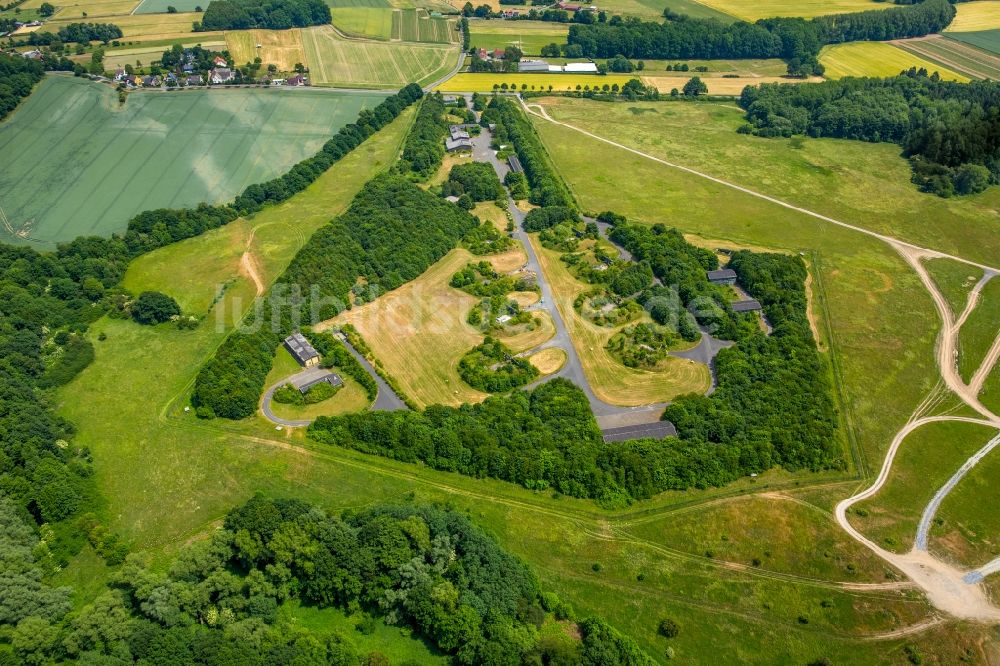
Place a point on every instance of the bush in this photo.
(668, 628)
(153, 307)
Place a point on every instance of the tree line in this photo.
(424, 146)
(18, 77)
(796, 40)
(266, 14)
(949, 131)
(81, 33)
(219, 602)
(391, 233)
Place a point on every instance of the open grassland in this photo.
(976, 16)
(967, 527)
(350, 398)
(956, 55)
(160, 6)
(274, 47)
(862, 183)
(416, 25)
(954, 279)
(611, 381)
(548, 360)
(879, 321)
(372, 22)
(752, 11)
(116, 58)
(419, 331)
(141, 26)
(877, 59)
(744, 530)
(375, 4)
(652, 10)
(77, 164)
(335, 61)
(980, 330)
(531, 36)
(484, 81)
(987, 40)
(926, 460)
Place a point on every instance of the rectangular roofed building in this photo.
(301, 350)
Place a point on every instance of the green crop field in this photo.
(956, 55)
(752, 11)
(652, 10)
(76, 164)
(416, 25)
(876, 59)
(531, 36)
(335, 61)
(976, 16)
(160, 6)
(988, 40)
(373, 22)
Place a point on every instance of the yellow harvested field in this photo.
(419, 333)
(525, 298)
(611, 381)
(508, 261)
(752, 11)
(145, 26)
(282, 48)
(718, 85)
(548, 360)
(488, 212)
(976, 16)
(876, 59)
(147, 54)
(95, 10)
(358, 63)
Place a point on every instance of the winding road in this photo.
(947, 588)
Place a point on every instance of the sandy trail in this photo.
(250, 267)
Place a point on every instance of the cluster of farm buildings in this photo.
(540, 66)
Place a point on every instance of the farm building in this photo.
(722, 276)
(533, 66)
(330, 378)
(457, 133)
(456, 145)
(515, 164)
(301, 350)
(297, 80)
(222, 75)
(219, 61)
(749, 305)
(580, 68)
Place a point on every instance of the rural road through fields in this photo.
(949, 589)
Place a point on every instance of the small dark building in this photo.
(655, 430)
(515, 164)
(722, 276)
(301, 350)
(747, 306)
(332, 379)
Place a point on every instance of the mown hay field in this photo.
(876, 59)
(140, 26)
(531, 36)
(94, 11)
(753, 11)
(160, 6)
(373, 22)
(976, 16)
(954, 54)
(416, 25)
(76, 163)
(334, 61)
(282, 48)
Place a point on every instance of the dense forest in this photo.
(950, 131)
(18, 77)
(392, 232)
(220, 602)
(796, 40)
(267, 14)
(424, 146)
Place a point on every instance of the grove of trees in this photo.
(267, 14)
(477, 179)
(950, 131)
(424, 146)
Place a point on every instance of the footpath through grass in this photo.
(77, 164)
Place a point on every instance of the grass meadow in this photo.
(160, 6)
(954, 279)
(980, 330)
(877, 59)
(141, 27)
(370, 22)
(79, 164)
(282, 48)
(976, 16)
(611, 381)
(334, 61)
(531, 36)
(957, 55)
(752, 11)
(988, 40)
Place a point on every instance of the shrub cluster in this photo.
(492, 367)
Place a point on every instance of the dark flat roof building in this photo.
(515, 164)
(301, 350)
(746, 306)
(330, 378)
(722, 276)
(656, 430)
